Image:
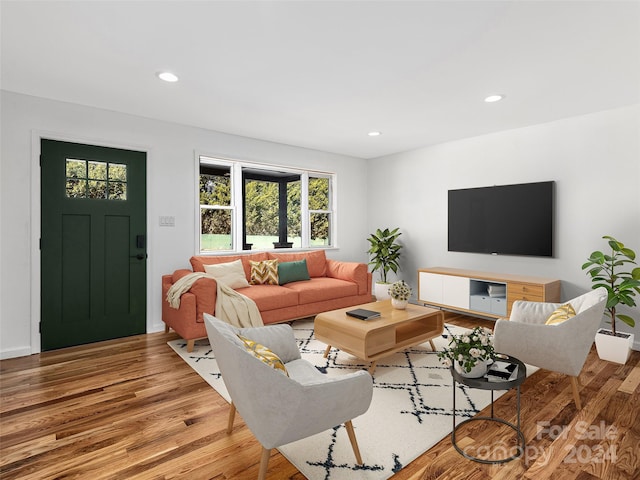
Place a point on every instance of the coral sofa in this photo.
(332, 284)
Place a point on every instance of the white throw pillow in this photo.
(229, 273)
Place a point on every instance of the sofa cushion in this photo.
(264, 272)
(271, 297)
(293, 271)
(198, 262)
(316, 261)
(322, 289)
(231, 273)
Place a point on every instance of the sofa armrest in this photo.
(204, 290)
(349, 271)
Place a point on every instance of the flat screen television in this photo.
(502, 220)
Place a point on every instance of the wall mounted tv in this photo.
(504, 219)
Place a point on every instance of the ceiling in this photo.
(322, 74)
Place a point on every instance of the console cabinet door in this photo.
(456, 291)
(430, 287)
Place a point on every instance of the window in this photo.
(96, 180)
(216, 212)
(256, 207)
(320, 211)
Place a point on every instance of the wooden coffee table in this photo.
(370, 340)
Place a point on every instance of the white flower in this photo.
(446, 362)
(474, 352)
(466, 339)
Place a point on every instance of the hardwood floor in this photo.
(130, 408)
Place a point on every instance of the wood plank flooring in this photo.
(130, 408)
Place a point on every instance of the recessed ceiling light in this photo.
(494, 98)
(374, 134)
(167, 77)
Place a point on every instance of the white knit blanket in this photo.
(236, 309)
(231, 306)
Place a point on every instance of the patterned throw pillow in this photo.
(263, 354)
(264, 273)
(565, 312)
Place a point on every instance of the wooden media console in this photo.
(482, 293)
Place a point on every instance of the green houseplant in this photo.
(385, 255)
(613, 271)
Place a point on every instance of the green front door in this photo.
(93, 246)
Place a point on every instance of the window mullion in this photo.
(237, 201)
(305, 228)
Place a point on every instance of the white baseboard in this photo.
(15, 352)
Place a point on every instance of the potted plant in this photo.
(469, 353)
(385, 254)
(611, 271)
(400, 292)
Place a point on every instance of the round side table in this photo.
(484, 384)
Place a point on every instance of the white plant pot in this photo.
(614, 349)
(477, 371)
(382, 291)
(399, 304)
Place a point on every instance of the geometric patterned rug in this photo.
(410, 412)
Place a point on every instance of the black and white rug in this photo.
(410, 412)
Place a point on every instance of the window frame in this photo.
(237, 203)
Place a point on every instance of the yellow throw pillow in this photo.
(264, 273)
(263, 354)
(565, 312)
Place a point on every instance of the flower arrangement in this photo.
(400, 290)
(469, 348)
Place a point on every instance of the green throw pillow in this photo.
(293, 271)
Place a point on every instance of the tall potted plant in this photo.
(612, 271)
(385, 255)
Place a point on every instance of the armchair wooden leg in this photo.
(232, 416)
(264, 462)
(190, 345)
(354, 442)
(576, 394)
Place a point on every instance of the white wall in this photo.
(594, 160)
(171, 190)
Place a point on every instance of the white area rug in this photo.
(410, 412)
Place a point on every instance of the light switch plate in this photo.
(167, 221)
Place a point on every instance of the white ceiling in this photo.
(321, 74)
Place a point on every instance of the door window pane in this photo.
(97, 189)
(117, 172)
(98, 170)
(95, 180)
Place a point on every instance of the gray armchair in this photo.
(279, 409)
(561, 348)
